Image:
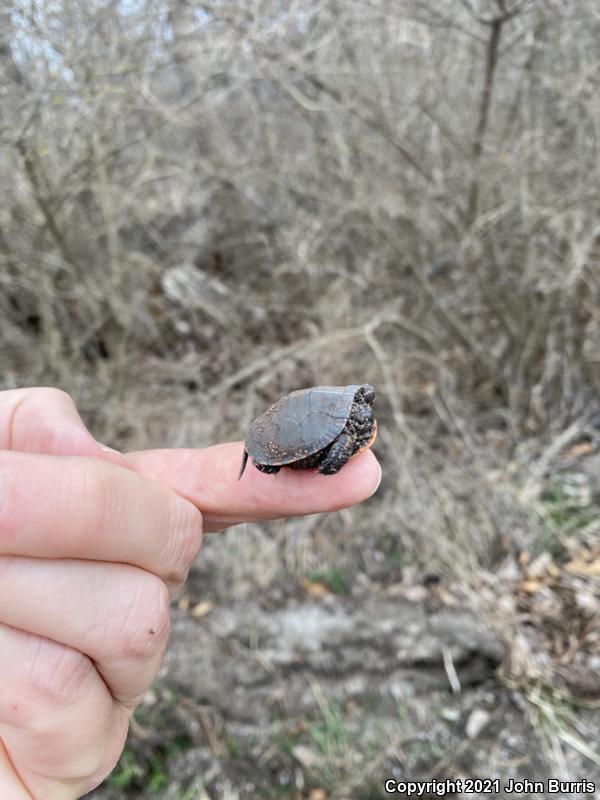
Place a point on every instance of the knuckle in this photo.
(30, 411)
(7, 514)
(183, 540)
(33, 423)
(55, 678)
(56, 675)
(94, 487)
(14, 502)
(142, 630)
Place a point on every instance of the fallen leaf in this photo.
(530, 586)
(202, 609)
(580, 567)
(577, 450)
(315, 588)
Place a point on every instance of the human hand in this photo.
(92, 546)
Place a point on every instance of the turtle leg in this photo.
(339, 454)
(270, 470)
(309, 461)
(360, 423)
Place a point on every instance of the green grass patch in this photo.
(565, 513)
(332, 578)
(144, 764)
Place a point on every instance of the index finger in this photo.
(86, 508)
(208, 479)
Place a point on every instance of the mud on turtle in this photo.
(323, 427)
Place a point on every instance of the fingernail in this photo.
(378, 480)
(109, 449)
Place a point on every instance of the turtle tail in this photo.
(244, 462)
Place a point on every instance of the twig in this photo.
(451, 671)
(300, 349)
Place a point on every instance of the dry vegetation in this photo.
(205, 205)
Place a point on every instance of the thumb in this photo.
(45, 420)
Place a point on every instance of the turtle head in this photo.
(366, 394)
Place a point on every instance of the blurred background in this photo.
(206, 205)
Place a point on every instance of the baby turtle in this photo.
(319, 427)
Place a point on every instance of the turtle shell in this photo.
(300, 424)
